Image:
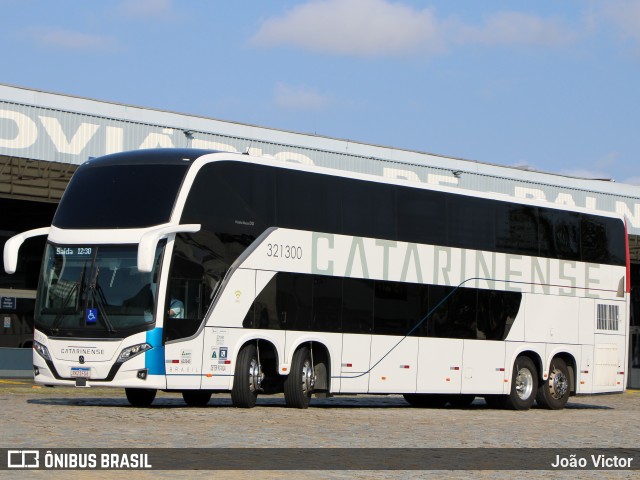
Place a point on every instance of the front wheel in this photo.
(299, 384)
(196, 398)
(140, 397)
(247, 378)
(554, 392)
(524, 384)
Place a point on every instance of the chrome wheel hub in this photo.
(308, 378)
(558, 384)
(524, 383)
(255, 376)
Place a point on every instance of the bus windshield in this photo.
(95, 291)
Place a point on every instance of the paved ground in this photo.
(43, 417)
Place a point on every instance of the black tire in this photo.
(196, 398)
(246, 380)
(140, 397)
(298, 386)
(461, 401)
(495, 401)
(426, 400)
(524, 385)
(555, 391)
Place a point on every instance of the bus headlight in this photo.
(132, 351)
(42, 350)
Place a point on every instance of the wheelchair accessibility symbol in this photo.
(92, 315)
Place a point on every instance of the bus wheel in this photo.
(554, 393)
(140, 397)
(426, 400)
(247, 378)
(299, 384)
(196, 398)
(524, 384)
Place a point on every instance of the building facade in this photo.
(45, 136)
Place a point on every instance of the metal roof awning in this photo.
(36, 180)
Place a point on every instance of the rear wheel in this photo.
(554, 392)
(247, 378)
(140, 397)
(524, 385)
(196, 398)
(426, 400)
(301, 380)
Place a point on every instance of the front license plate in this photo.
(80, 372)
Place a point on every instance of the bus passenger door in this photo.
(184, 309)
(183, 335)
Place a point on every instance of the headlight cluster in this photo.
(132, 351)
(42, 350)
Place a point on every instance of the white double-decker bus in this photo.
(200, 272)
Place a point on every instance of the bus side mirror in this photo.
(149, 242)
(12, 247)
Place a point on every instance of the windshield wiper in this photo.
(55, 325)
(97, 295)
(58, 320)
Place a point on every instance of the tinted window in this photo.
(616, 239)
(398, 307)
(462, 313)
(192, 282)
(560, 234)
(239, 201)
(496, 313)
(472, 223)
(357, 305)
(369, 210)
(285, 303)
(471, 313)
(327, 304)
(265, 308)
(516, 228)
(232, 198)
(318, 303)
(602, 240)
(295, 300)
(309, 202)
(437, 323)
(422, 216)
(119, 196)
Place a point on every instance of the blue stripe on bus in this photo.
(154, 358)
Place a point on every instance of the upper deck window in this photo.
(120, 195)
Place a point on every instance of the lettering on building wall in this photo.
(74, 139)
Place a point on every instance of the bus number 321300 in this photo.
(284, 251)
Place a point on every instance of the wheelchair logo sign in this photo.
(92, 315)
